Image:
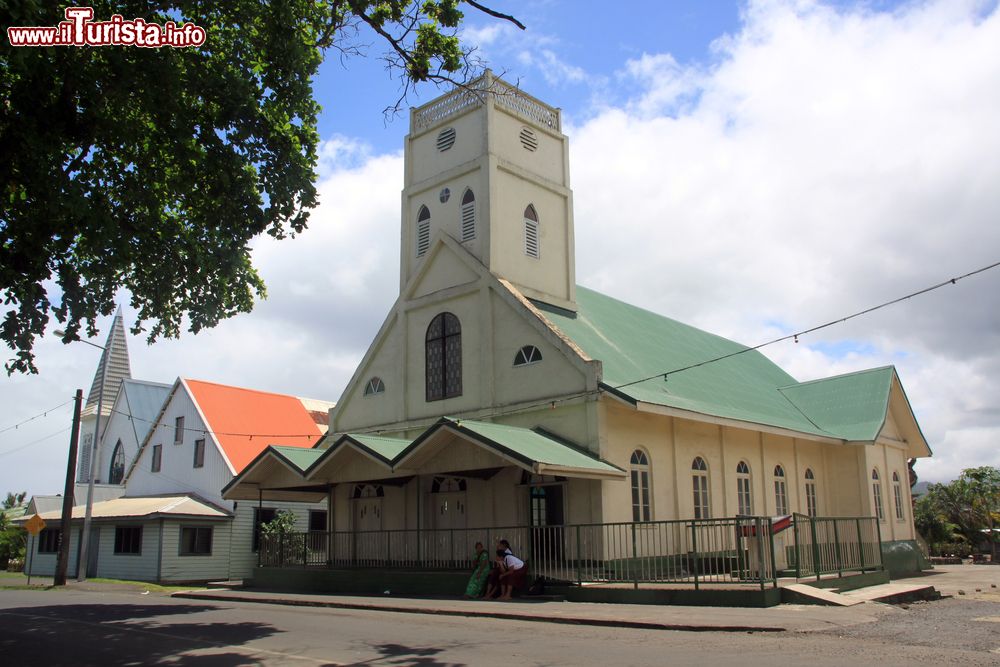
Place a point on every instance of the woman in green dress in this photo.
(481, 570)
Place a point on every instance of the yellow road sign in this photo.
(34, 525)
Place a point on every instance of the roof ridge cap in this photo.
(863, 371)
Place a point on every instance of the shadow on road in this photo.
(124, 634)
(400, 654)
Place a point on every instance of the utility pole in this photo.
(67, 509)
(81, 566)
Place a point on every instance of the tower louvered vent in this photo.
(528, 139)
(423, 231)
(468, 216)
(446, 139)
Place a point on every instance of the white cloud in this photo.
(554, 70)
(830, 160)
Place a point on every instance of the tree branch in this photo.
(496, 14)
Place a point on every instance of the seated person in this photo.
(496, 569)
(513, 574)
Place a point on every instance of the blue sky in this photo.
(684, 28)
(767, 166)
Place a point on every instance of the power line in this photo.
(744, 350)
(34, 442)
(38, 416)
(795, 336)
(563, 399)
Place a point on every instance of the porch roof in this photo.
(276, 474)
(535, 450)
(177, 506)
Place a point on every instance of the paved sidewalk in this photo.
(792, 618)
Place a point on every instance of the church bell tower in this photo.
(488, 165)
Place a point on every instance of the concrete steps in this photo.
(886, 593)
(894, 593)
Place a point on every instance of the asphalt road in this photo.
(58, 627)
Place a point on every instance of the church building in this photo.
(499, 393)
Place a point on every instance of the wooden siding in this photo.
(177, 472)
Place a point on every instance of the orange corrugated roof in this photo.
(274, 419)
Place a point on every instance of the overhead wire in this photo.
(552, 402)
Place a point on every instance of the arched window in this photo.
(531, 232)
(423, 231)
(528, 354)
(117, 471)
(744, 497)
(877, 495)
(780, 492)
(443, 357)
(368, 491)
(468, 216)
(374, 386)
(639, 468)
(699, 483)
(810, 492)
(897, 495)
(447, 485)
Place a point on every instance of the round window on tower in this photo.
(445, 195)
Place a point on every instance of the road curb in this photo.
(511, 616)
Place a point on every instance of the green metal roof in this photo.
(531, 446)
(634, 343)
(385, 447)
(300, 457)
(852, 405)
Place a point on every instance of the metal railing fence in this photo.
(827, 545)
(691, 551)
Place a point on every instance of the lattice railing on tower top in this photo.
(504, 95)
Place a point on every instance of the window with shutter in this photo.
(531, 232)
(468, 216)
(423, 231)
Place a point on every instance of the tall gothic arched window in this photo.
(639, 472)
(117, 471)
(443, 357)
(811, 507)
(744, 496)
(780, 492)
(699, 483)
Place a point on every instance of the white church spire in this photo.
(115, 360)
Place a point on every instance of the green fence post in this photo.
(861, 545)
(388, 548)
(798, 555)
(836, 546)
(816, 557)
(579, 551)
(770, 538)
(634, 565)
(305, 549)
(694, 552)
(759, 534)
(281, 549)
(878, 545)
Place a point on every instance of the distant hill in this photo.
(920, 488)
